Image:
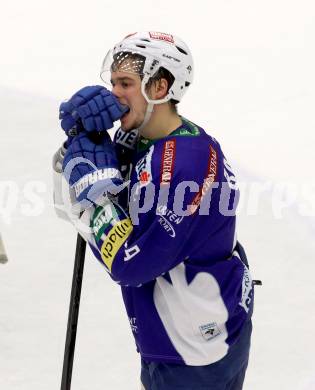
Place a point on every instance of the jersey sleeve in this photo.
(166, 188)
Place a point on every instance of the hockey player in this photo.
(157, 207)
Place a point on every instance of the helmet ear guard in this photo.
(146, 81)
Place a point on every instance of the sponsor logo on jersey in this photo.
(143, 168)
(133, 324)
(161, 36)
(144, 177)
(168, 220)
(209, 180)
(92, 178)
(102, 218)
(114, 241)
(247, 290)
(209, 331)
(128, 140)
(168, 160)
(229, 175)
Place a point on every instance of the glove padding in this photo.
(92, 108)
(91, 167)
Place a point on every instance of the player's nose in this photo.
(116, 91)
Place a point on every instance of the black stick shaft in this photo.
(73, 313)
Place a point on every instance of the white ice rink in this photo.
(254, 90)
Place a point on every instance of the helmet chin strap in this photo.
(147, 116)
(151, 103)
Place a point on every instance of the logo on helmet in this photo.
(170, 57)
(161, 36)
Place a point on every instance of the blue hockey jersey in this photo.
(169, 241)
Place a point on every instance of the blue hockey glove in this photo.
(91, 167)
(92, 108)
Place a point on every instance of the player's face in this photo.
(127, 88)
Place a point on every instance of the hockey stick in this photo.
(3, 254)
(73, 313)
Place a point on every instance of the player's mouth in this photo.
(125, 116)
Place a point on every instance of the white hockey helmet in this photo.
(144, 53)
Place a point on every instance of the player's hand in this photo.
(92, 108)
(90, 166)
